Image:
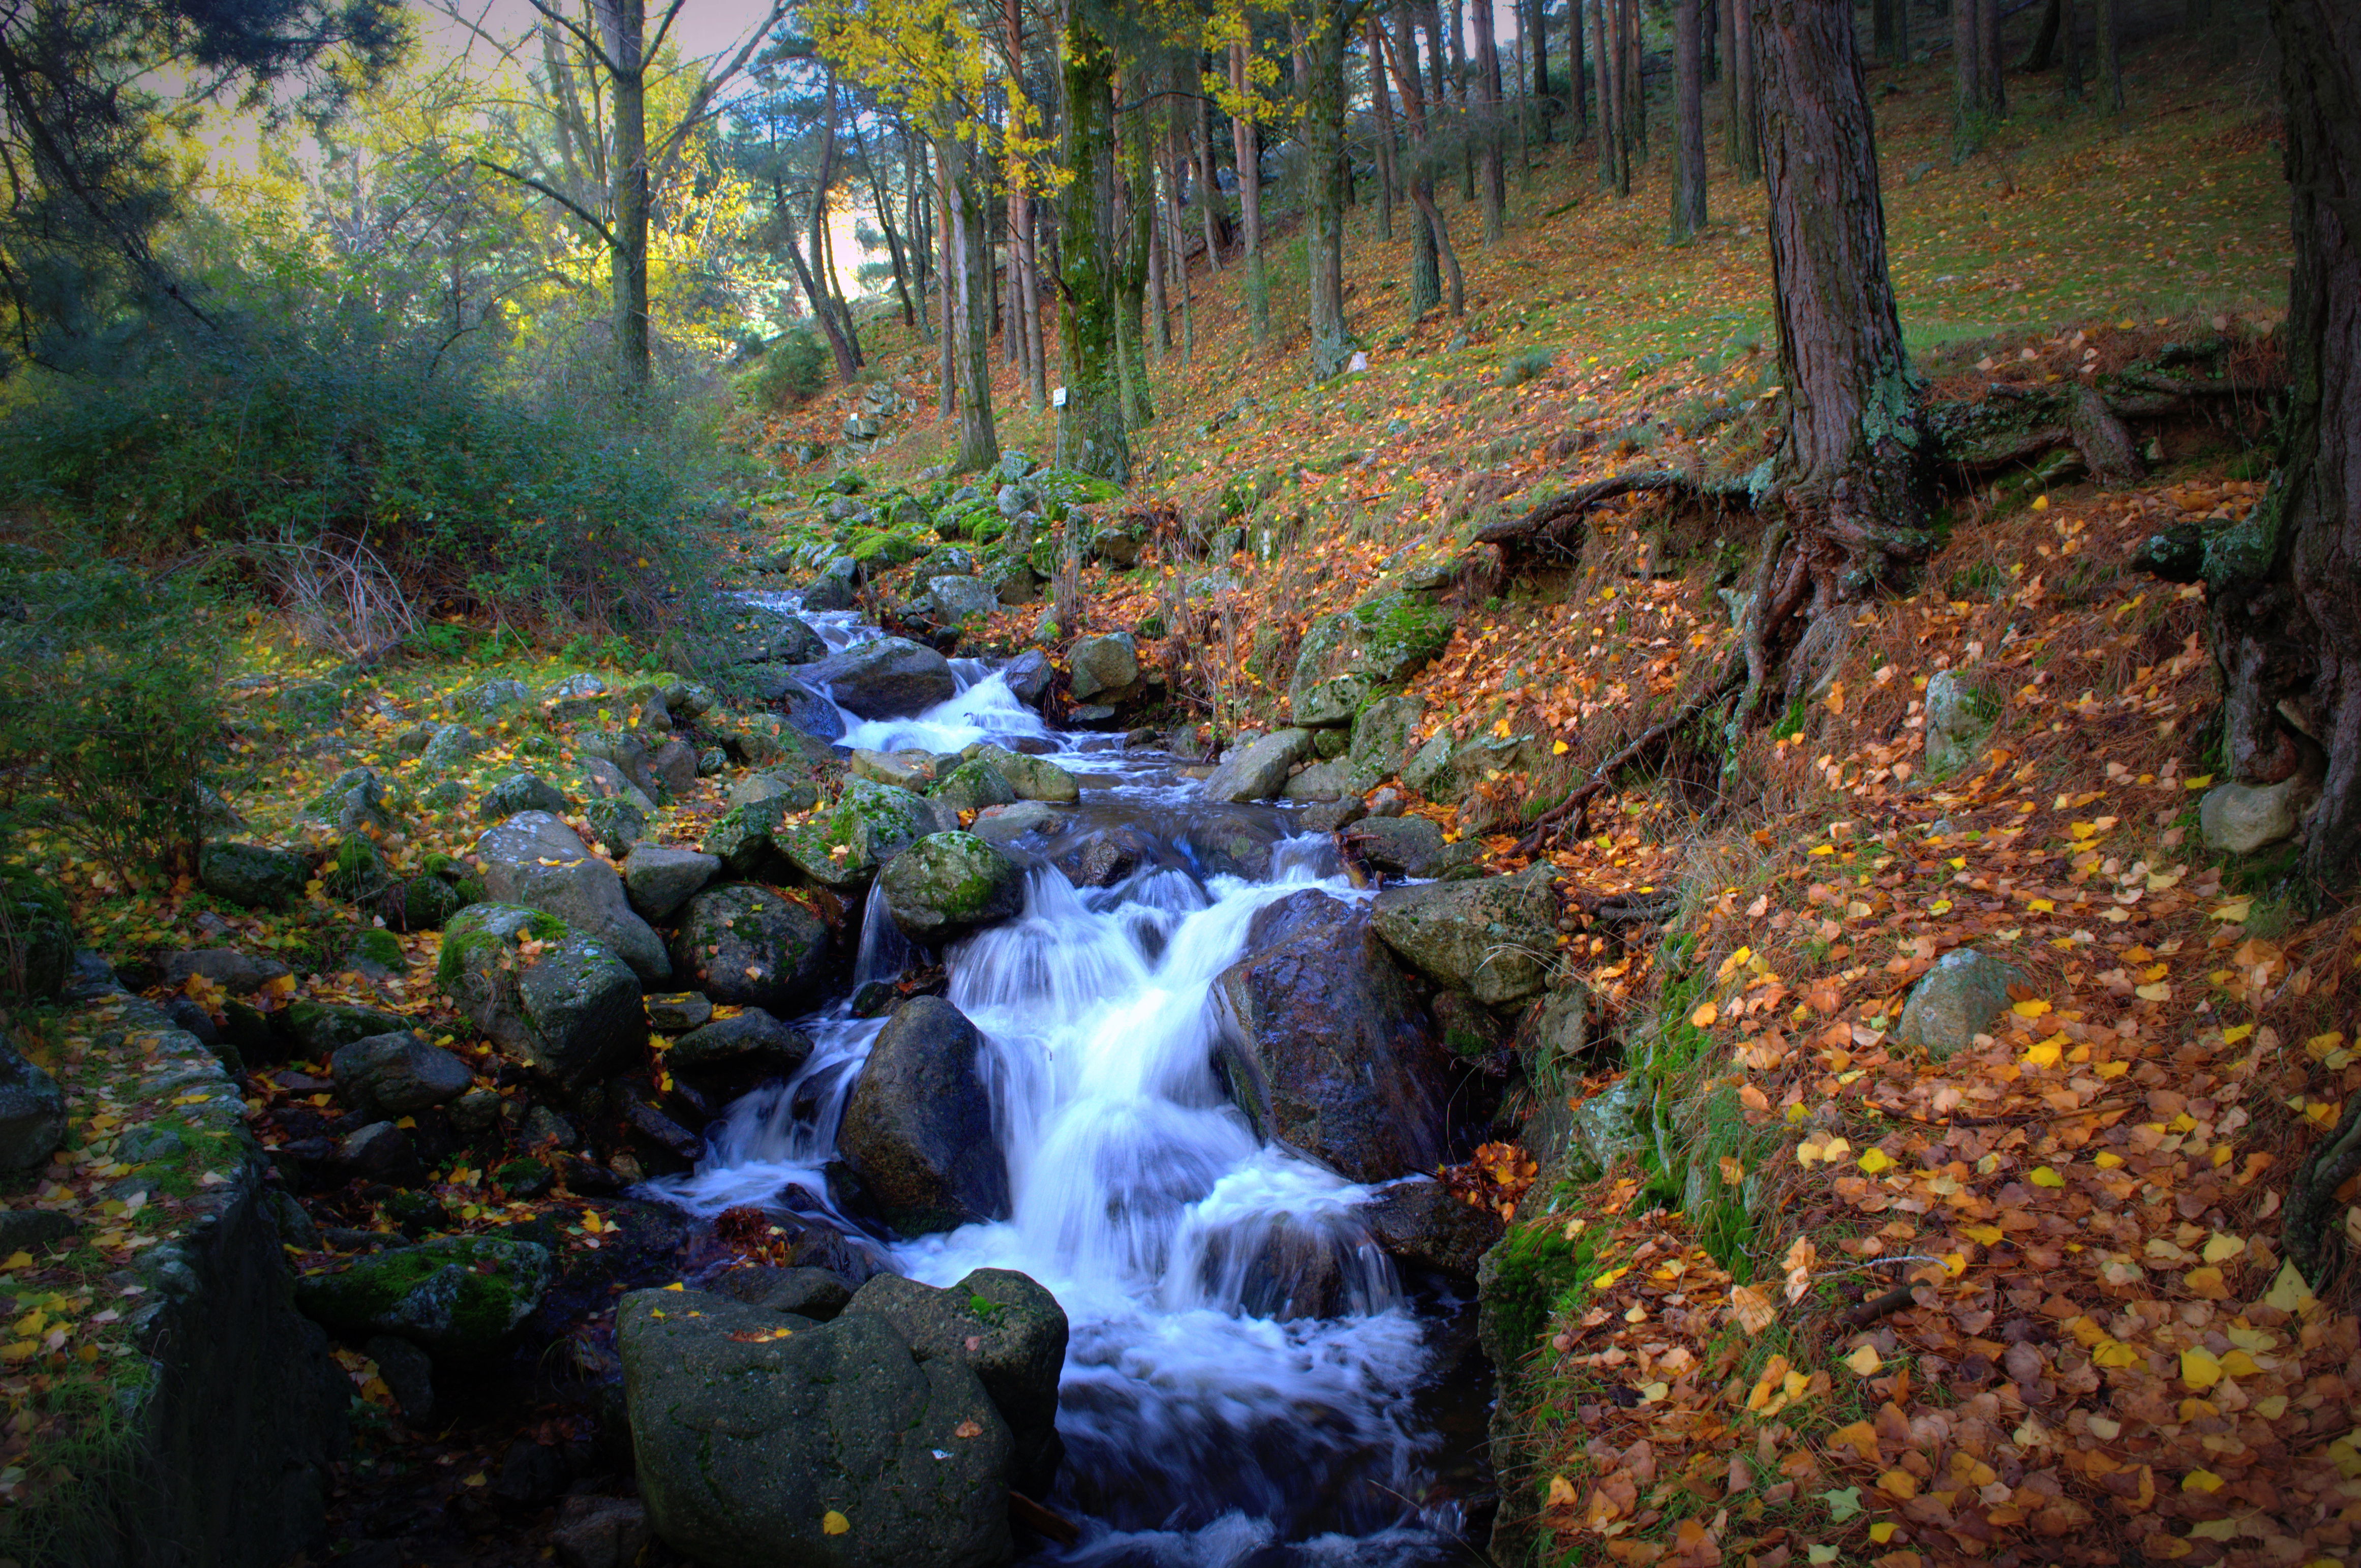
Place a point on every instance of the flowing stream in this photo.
(1203, 1424)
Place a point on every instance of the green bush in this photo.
(795, 365)
(268, 439)
(110, 705)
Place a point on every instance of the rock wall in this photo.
(220, 1460)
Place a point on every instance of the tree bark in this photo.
(1747, 71)
(1382, 101)
(1490, 184)
(1536, 27)
(1091, 435)
(1246, 143)
(1688, 184)
(624, 23)
(1432, 241)
(1967, 80)
(1988, 52)
(1323, 149)
(2045, 39)
(1633, 76)
(2284, 587)
(1577, 69)
(2111, 55)
(979, 442)
(1208, 188)
(1455, 37)
(1614, 164)
(1135, 223)
(1852, 479)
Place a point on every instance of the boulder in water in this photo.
(748, 946)
(948, 884)
(1492, 938)
(1009, 1331)
(1033, 778)
(842, 847)
(917, 1129)
(551, 999)
(1029, 675)
(1257, 771)
(1423, 1224)
(535, 860)
(1103, 669)
(1324, 1046)
(971, 786)
(762, 1438)
(903, 770)
(892, 677)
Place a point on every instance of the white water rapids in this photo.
(1201, 1430)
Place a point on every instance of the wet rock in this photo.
(240, 974)
(679, 1012)
(1103, 669)
(1421, 1223)
(1327, 781)
(889, 678)
(971, 786)
(535, 860)
(397, 1074)
(818, 1294)
(827, 592)
(1258, 770)
(842, 847)
(569, 1009)
(1029, 675)
(32, 1112)
(903, 770)
(754, 1433)
(1397, 846)
(1323, 1047)
(2239, 819)
(545, 1129)
(796, 794)
(1332, 816)
(746, 945)
(1348, 656)
(1008, 1330)
(948, 884)
(659, 878)
(917, 1129)
(1492, 938)
(520, 792)
(601, 1532)
(1033, 778)
(253, 875)
(1005, 825)
(461, 1298)
(1956, 1001)
(729, 1056)
(1103, 859)
(760, 636)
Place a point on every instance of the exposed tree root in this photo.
(2312, 1201)
(1578, 804)
(1550, 524)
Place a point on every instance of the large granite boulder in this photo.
(841, 846)
(758, 636)
(1011, 1334)
(254, 875)
(1033, 778)
(549, 997)
(1423, 1224)
(952, 600)
(762, 1438)
(1257, 771)
(729, 1056)
(537, 861)
(748, 946)
(1323, 1046)
(396, 1074)
(1350, 656)
(917, 1129)
(659, 878)
(461, 1298)
(2238, 818)
(1493, 938)
(948, 884)
(971, 786)
(892, 677)
(1103, 669)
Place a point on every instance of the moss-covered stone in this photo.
(459, 1298)
(842, 847)
(1349, 657)
(948, 884)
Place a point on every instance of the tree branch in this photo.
(598, 225)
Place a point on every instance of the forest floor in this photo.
(2105, 1358)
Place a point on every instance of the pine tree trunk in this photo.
(1536, 26)
(2045, 39)
(1852, 478)
(1425, 276)
(1208, 190)
(1324, 151)
(624, 23)
(979, 442)
(1247, 145)
(1091, 435)
(1967, 81)
(1748, 71)
(2069, 27)
(1490, 184)
(1634, 76)
(1136, 222)
(1988, 52)
(2281, 587)
(2111, 55)
(1455, 46)
(1382, 101)
(1689, 183)
(1577, 69)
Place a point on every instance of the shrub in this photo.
(795, 365)
(110, 705)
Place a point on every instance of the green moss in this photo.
(1526, 1277)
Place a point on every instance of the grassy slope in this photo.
(2106, 1360)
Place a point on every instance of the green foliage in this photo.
(1530, 1272)
(110, 705)
(793, 367)
(344, 437)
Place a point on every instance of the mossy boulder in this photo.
(357, 868)
(842, 846)
(1033, 778)
(256, 876)
(321, 1028)
(549, 997)
(948, 884)
(1008, 1329)
(534, 860)
(461, 1298)
(1493, 938)
(1350, 656)
(520, 792)
(746, 945)
(762, 1438)
(971, 786)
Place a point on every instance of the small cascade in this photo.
(1243, 1365)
